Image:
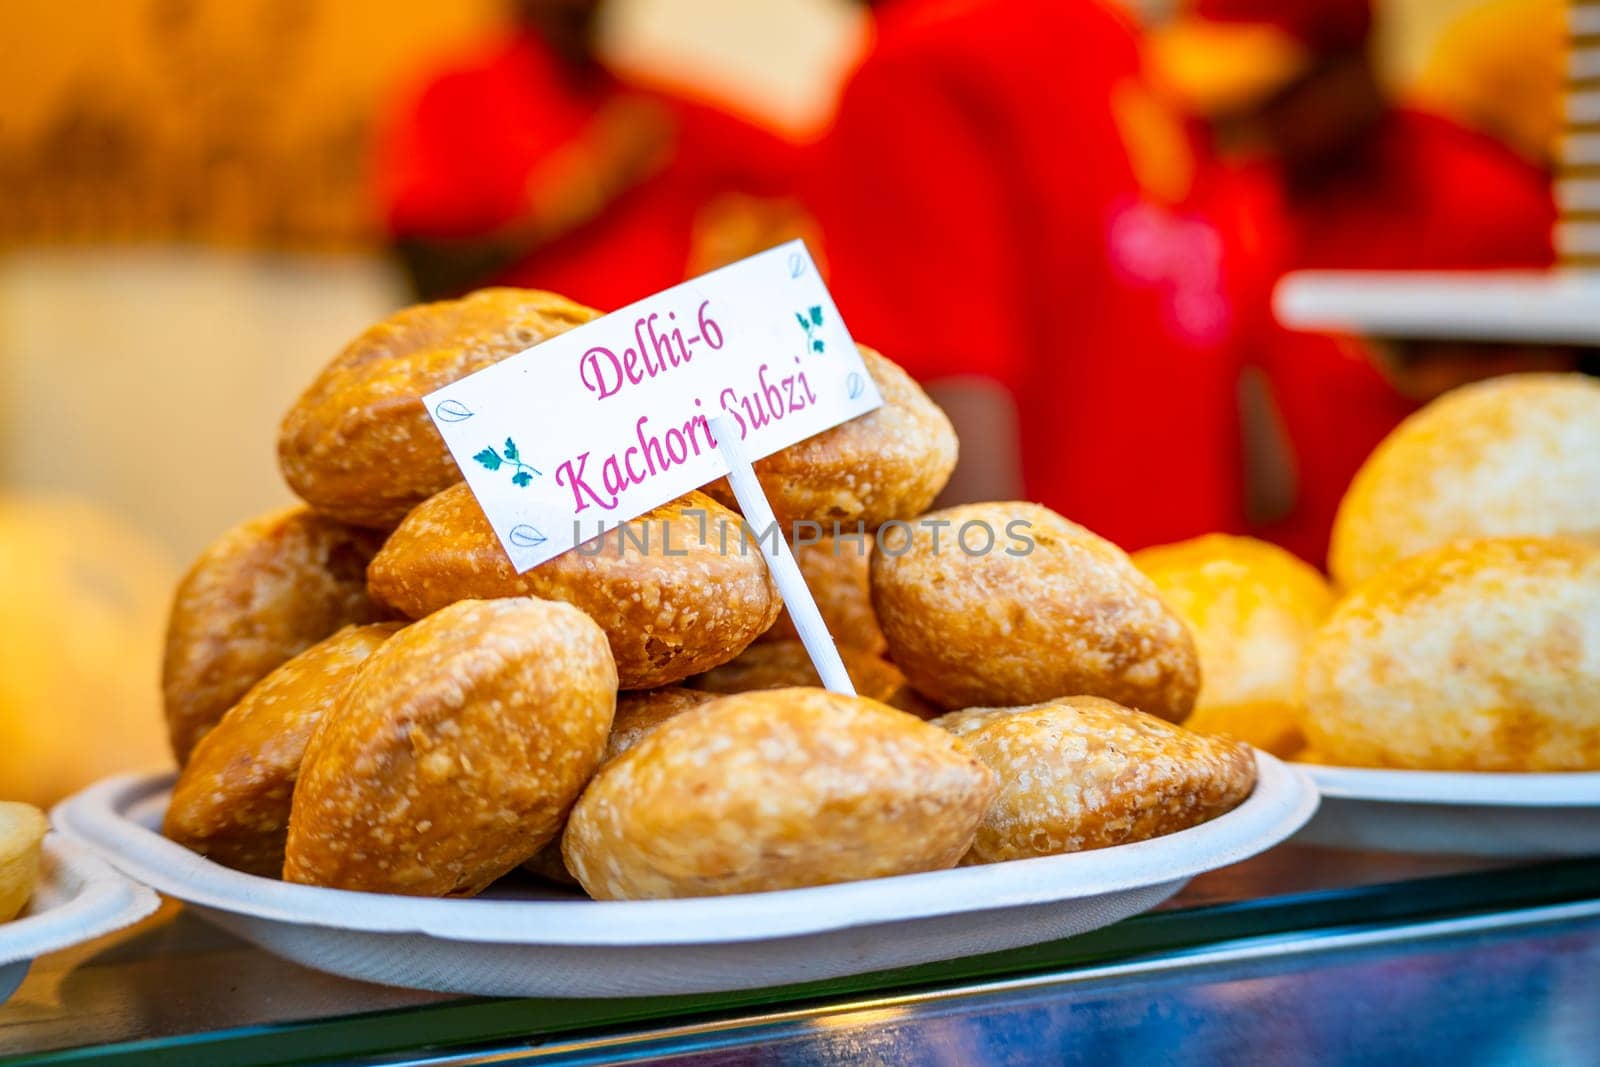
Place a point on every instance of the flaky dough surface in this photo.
(1070, 616)
(265, 591)
(785, 664)
(887, 464)
(1084, 773)
(671, 608)
(638, 714)
(231, 803)
(456, 753)
(835, 571)
(358, 444)
(775, 790)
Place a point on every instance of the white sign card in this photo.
(604, 422)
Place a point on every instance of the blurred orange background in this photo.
(186, 234)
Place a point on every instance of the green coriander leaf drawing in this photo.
(810, 321)
(522, 474)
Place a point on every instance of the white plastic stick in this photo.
(780, 561)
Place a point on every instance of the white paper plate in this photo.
(1458, 812)
(549, 945)
(78, 898)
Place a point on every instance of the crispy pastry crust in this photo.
(887, 464)
(775, 790)
(358, 444)
(1083, 773)
(992, 629)
(836, 573)
(670, 609)
(264, 592)
(638, 714)
(785, 664)
(456, 753)
(231, 803)
(22, 830)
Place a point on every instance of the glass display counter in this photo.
(1307, 950)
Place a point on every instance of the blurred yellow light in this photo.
(1213, 68)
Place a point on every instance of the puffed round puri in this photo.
(264, 592)
(677, 591)
(1252, 608)
(778, 789)
(1517, 456)
(456, 753)
(887, 464)
(1006, 604)
(1483, 655)
(231, 803)
(1084, 773)
(358, 444)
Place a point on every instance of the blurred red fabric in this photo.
(985, 211)
(460, 157)
(982, 216)
(1422, 194)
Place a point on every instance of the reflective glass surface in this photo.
(177, 990)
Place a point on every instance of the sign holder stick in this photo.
(780, 561)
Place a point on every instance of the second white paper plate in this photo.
(533, 944)
(1457, 812)
(78, 898)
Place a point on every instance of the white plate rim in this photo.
(1284, 800)
(1567, 789)
(107, 900)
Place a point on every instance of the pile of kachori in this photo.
(364, 694)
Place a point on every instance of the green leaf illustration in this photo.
(816, 346)
(521, 479)
(801, 319)
(524, 536)
(489, 458)
(816, 316)
(452, 411)
(511, 450)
